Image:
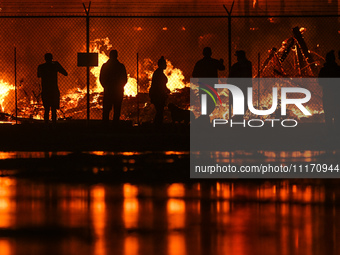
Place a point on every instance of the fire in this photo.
(5, 89)
(73, 103)
(176, 79)
(130, 88)
(102, 58)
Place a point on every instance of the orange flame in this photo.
(5, 89)
(130, 88)
(176, 79)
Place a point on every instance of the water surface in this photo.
(281, 217)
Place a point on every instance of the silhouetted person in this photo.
(241, 69)
(208, 67)
(113, 78)
(48, 72)
(330, 89)
(158, 91)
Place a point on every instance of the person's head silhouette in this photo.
(48, 57)
(162, 63)
(113, 54)
(207, 52)
(330, 57)
(241, 55)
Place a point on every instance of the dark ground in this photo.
(92, 136)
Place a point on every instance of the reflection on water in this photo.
(209, 217)
(98, 216)
(282, 217)
(31, 154)
(7, 203)
(220, 156)
(49, 154)
(246, 157)
(130, 206)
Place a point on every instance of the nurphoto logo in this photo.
(239, 107)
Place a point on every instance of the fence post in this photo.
(15, 85)
(137, 89)
(87, 11)
(258, 80)
(229, 46)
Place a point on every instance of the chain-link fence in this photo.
(32, 38)
(270, 43)
(283, 47)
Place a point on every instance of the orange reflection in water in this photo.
(74, 203)
(130, 206)
(7, 210)
(176, 153)
(176, 244)
(176, 190)
(304, 156)
(131, 245)
(307, 195)
(236, 243)
(176, 213)
(130, 191)
(98, 214)
(284, 229)
(266, 192)
(240, 157)
(223, 190)
(176, 207)
(222, 206)
(285, 191)
(31, 154)
(111, 153)
(308, 229)
(7, 202)
(7, 155)
(5, 247)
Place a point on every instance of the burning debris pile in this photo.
(7, 96)
(73, 103)
(292, 60)
(301, 63)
